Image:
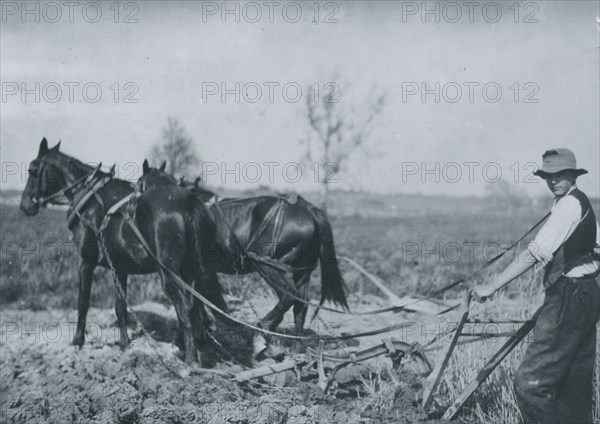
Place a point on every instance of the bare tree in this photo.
(177, 148)
(334, 135)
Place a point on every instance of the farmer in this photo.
(554, 382)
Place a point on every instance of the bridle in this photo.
(53, 198)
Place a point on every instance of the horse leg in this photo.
(302, 280)
(121, 308)
(277, 279)
(86, 273)
(207, 283)
(201, 318)
(203, 325)
(182, 309)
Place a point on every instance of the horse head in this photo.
(46, 177)
(152, 177)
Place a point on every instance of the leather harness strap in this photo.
(93, 192)
(384, 310)
(294, 296)
(275, 209)
(276, 228)
(114, 208)
(184, 286)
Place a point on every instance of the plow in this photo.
(325, 364)
(398, 351)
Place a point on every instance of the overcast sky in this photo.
(547, 72)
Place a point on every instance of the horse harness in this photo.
(274, 213)
(78, 204)
(96, 181)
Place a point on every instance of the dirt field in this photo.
(43, 379)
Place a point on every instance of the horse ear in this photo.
(145, 166)
(43, 147)
(163, 166)
(57, 147)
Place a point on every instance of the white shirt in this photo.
(564, 218)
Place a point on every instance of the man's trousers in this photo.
(554, 382)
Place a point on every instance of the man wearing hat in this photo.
(554, 382)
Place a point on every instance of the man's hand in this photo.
(525, 261)
(482, 292)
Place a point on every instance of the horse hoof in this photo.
(259, 346)
(123, 344)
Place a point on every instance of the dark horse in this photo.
(172, 220)
(289, 230)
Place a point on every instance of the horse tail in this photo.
(332, 283)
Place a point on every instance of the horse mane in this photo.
(75, 167)
(197, 188)
(194, 186)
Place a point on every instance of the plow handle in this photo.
(466, 301)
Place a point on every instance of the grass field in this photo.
(416, 245)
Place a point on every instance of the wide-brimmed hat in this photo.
(557, 160)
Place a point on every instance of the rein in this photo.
(184, 286)
(398, 308)
(253, 259)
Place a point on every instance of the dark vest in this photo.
(578, 249)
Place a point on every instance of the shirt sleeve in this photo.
(563, 220)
